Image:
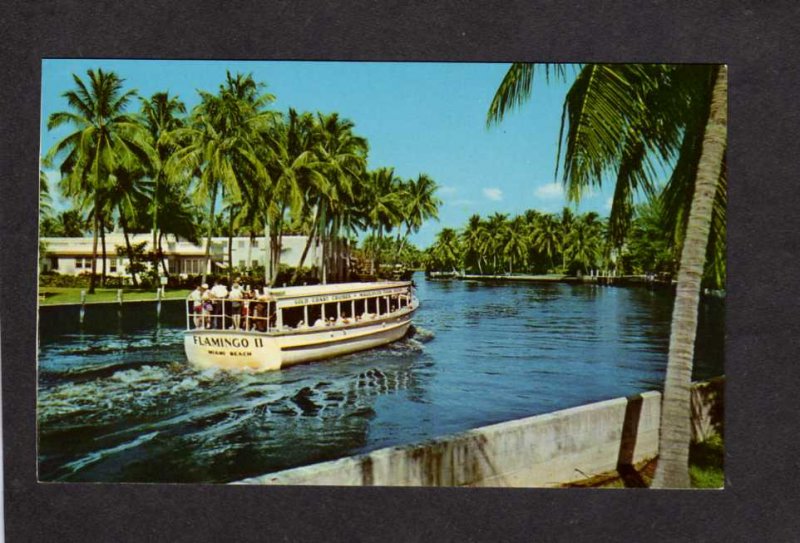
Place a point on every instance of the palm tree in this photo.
(583, 244)
(45, 201)
(219, 144)
(473, 239)
(161, 114)
(131, 195)
(384, 208)
(622, 119)
(495, 227)
(420, 204)
(547, 236)
(104, 136)
(295, 171)
(446, 250)
(516, 241)
(343, 158)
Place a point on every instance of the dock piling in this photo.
(83, 305)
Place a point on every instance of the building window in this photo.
(241, 243)
(113, 265)
(78, 263)
(254, 263)
(242, 264)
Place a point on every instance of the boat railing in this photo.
(221, 314)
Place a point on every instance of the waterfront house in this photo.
(73, 256)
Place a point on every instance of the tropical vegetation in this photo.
(247, 170)
(626, 122)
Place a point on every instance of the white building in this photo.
(73, 256)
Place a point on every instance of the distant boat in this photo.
(293, 325)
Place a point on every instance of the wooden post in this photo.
(119, 296)
(83, 305)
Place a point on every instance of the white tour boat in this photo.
(292, 325)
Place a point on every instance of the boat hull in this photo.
(257, 351)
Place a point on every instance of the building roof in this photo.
(337, 288)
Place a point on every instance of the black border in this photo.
(759, 42)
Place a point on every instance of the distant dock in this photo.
(597, 279)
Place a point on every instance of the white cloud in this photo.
(446, 191)
(493, 193)
(549, 191)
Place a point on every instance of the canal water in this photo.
(118, 402)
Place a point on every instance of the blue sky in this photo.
(417, 117)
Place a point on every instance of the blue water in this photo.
(118, 402)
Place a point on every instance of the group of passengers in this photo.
(218, 308)
(243, 308)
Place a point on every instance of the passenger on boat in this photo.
(208, 306)
(319, 323)
(236, 295)
(196, 301)
(247, 296)
(343, 319)
(218, 292)
(259, 314)
(301, 324)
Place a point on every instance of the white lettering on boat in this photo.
(216, 341)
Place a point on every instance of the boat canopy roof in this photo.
(312, 294)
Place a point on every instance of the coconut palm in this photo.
(473, 240)
(343, 156)
(516, 241)
(45, 201)
(621, 120)
(161, 114)
(295, 171)
(384, 203)
(105, 135)
(496, 227)
(583, 245)
(547, 236)
(419, 204)
(446, 250)
(219, 144)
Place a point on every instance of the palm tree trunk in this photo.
(325, 260)
(94, 252)
(161, 255)
(309, 241)
(267, 251)
(278, 244)
(210, 231)
(675, 432)
(230, 244)
(156, 238)
(103, 243)
(129, 249)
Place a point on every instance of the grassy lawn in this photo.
(705, 470)
(70, 295)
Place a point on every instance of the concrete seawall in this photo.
(539, 451)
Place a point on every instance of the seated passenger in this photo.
(343, 319)
(319, 322)
(301, 324)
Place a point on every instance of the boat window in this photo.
(371, 307)
(292, 316)
(330, 311)
(314, 315)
